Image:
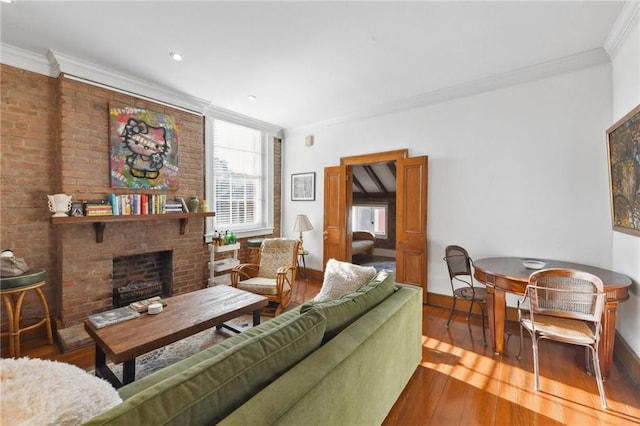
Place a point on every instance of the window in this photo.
(370, 218)
(239, 178)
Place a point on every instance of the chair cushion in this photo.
(575, 330)
(342, 278)
(208, 391)
(276, 253)
(340, 313)
(28, 278)
(261, 285)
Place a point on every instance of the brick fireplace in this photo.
(85, 268)
(61, 128)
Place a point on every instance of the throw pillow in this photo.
(342, 278)
(340, 313)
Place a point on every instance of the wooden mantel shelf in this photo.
(100, 222)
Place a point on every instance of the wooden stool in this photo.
(13, 290)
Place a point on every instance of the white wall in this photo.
(625, 60)
(520, 171)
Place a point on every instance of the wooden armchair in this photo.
(275, 275)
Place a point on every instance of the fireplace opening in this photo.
(142, 276)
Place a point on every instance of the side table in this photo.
(303, 271)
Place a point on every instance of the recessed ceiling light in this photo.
(8, 1)
(175, 56)
(251, 97)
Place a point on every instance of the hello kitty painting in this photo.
(144, 148)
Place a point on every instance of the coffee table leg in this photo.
(256, 317)
(128, 371)
(100, 360)
(103, 371)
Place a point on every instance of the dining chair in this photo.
(275, 274)
(565, 305)
(462, 283)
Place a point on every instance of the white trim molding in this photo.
(625, 20)
(104, 76)
(26, 60)
(511, 78)
(55, 63)
(234, 117)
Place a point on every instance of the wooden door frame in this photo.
(377, 157)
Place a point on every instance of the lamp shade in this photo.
(302, 224)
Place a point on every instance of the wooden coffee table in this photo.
(184, 316)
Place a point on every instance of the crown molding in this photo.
(523, 75)
(55, 63)
(104, 76)
(26, 60)
(627, 17)
(227, 115)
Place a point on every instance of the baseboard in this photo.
(445, 301)
(629, 360)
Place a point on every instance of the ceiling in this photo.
(310, 62)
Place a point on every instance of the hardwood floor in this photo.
(461, 382)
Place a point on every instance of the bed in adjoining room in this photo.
(363, 242)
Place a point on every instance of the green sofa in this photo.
(344, 361)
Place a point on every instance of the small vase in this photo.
(59, 204)
(194, 204)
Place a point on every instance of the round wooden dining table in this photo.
(503, 275)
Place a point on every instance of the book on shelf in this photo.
(183, 203)
(172, 207)
(114, 316)
(143, 305)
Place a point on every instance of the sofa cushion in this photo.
(342, 278)
(211, 389)
(342, 312)
(265, 327)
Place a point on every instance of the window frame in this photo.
(269, 132)
(370, 205)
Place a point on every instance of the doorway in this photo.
(411, 212)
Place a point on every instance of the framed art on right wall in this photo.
(623, 144)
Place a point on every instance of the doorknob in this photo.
(326, 235)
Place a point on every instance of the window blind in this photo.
(239, 175)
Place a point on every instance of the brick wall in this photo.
(28, 172)
(55, 139)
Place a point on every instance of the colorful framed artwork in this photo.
(623, 143)
(144, 148)
(303, 186)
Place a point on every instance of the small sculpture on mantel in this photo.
(59, 204)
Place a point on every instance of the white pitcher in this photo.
(59, 204)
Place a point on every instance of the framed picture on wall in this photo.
(303, 186)
(623, 143)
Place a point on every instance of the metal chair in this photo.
(275, 275)
(565, 305)
(459, 265)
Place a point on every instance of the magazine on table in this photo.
(113, 316)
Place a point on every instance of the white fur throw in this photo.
(342, 278)
(42, 392)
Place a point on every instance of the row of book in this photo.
(134, 204)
